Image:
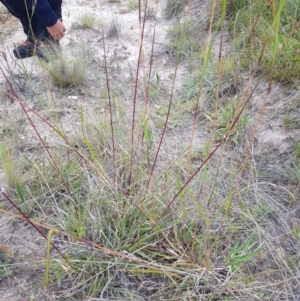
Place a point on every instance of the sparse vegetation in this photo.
(174, 8)
(87, 21)
(150, 13)
(288, 121)
(154, 176)
(133, 4)
(113, 30)
(10, 165)
(298, 151)
(270, 27)
(183, 40)
(223, 122)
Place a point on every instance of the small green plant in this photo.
(133, 4)
(286, 63)
(190, 87)
(261, 210)
(298, 150)
(288, 121)
(156, 89)
(113, 1)
(240, 254)
(6, 266)
(67, 70)
(87, 21)
(224, 119)
(174, 8)
(10, 166)
(150, 13)
(183, 40)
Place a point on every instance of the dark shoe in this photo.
(42, 49)
(26, 49)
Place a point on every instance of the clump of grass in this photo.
(174, 8)
(217, 77)
(286, 63)
(298, 151)
(87, 21)
(225, 117)
(133, 4)
(183, 40)
(113, 30)
(67, 70)
(243, 252)
(288, 121)
(150, 13)
(10, 166)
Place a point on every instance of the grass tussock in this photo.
(67, 70)
(113, 30)
(87, 21)
(133, 4)
(11, 166)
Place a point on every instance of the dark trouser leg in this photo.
(26, 16)
(35, 30)
(41, 31)
(31, 24)
(56, 7)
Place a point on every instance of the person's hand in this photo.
(57, 31)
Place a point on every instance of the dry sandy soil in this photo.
(273, 147)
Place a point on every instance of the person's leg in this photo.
(47, 45)
(19, 10)
(41, 31)
(35, 30)
(56, 7)
(29, 23)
